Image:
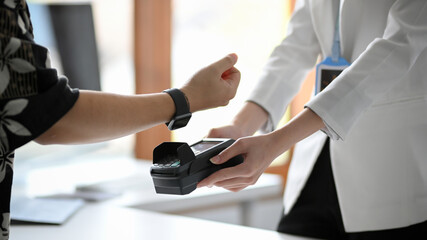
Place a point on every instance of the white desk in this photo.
(132, 179)
(126, 217)
(112, 223)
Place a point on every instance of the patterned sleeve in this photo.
(32, 96)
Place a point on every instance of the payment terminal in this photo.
(178, 167)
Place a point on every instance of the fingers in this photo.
(214, 85)
(232, 76)
(236, 183)
(221, 175)
(230, 152)
(226, 173)
(230, 73)
(256, 160)
(225, 63)
(233, 178)
(245, 174)
(215, 133)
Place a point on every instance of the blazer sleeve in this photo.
(287, 66)
(384, 63)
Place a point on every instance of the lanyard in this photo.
(336, 46)
(331, 67)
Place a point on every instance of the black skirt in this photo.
(317, 212)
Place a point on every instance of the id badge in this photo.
(327, 71)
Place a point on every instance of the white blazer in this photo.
(375, 111)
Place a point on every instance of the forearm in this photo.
(99, 116)
(250, 118)
(300, 127)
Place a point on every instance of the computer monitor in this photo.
(68, 30)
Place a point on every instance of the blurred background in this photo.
(97, 45)
(201, 33)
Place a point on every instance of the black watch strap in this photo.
(182, 112)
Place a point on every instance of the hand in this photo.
(259, 151)
(246, 122)
(228, 131)
(258, 155)
(214, 85)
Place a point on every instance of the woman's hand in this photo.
(214, 85)
(258, 154)
(228, 131)
(246, 122)
(259, 151)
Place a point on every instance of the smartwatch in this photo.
(182, 114)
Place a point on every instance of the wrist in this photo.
(280, 140)
(250, 118)
(182, 109)
(189, 97)
(241, 127)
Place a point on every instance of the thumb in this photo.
(225, 63)
(225, 155)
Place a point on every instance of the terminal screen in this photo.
(203, 146)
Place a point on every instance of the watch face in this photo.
(179, 121)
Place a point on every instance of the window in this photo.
(204, 31)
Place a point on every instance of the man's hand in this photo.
(214, 85)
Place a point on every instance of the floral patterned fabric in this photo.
(32, 96)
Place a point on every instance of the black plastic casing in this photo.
(193, 168)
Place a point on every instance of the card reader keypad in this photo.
(169, 164)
